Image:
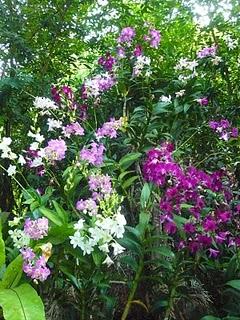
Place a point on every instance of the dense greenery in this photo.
(119, 194)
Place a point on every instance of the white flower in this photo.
(108, 261)
(192, 65)
(186, 64)
(34, 146)
(143, 60)
(230, 42)
(44, 104)
(6, 150)
(104, 247)
(20, 239)
(31, 134)
(53, 124)
(97, 234)
(21, 160)
(14, 222)
(118, 226)
(105, 224)
(216, 60)
(180, 93)
(76, 240)
(120, 218)
(117, 248)
(6, 141)
(37, 162)
(37, 136)
(11, 155)
(11, 170)
(102, 2)
(166, 99)
(79, 225)
(87, 246)
(41, 153)
(148, 73)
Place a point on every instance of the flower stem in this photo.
(82, 305)
(20, 185)
(133, 289)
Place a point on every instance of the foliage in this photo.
(120, 160)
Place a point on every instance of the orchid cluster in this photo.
(55, 150)
(93, 87)
(224, 129)
(109, 129)
(43, 151)
(153, 37)
(102, 221)
(207, 52)
(34, 266)
(107, 62)
(45, 105)
(230, 42)
(36, 229)
(126, 36)
(141, 64)
(188, 68)
(93, 154)
(203, 202)
(73, 129)
(127, 48)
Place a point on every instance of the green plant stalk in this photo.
(185, 142)
(133, 289)
(171, 303)
(82, 305)
(20, 185)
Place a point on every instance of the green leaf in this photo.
(127, 160)
(186, 107)
(4, 217)
(70, 276)
(61, 212)
(51, 215)
(59, 234)
(129, 182)
(98, 257)
(130, 261)
(179, 220)
(2, 247)
(133, 232)
(186, 206)
(144, 219)
(12, 274)
(21, 303)
(145, 194)
(123, 174)
(161, 107)
(234, 284)
(163, 250)
(130, 245)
